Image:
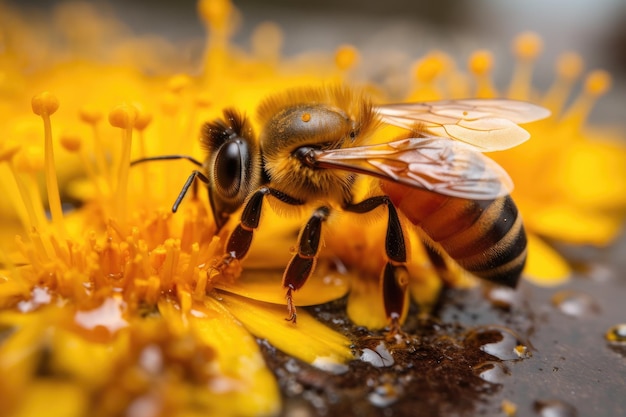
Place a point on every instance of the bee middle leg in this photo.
(303, 262)
(395, 274)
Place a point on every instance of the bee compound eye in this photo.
(227, 169)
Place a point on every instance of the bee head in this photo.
(233, 163)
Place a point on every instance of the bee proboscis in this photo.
(313, 145)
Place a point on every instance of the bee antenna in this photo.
(166, 158)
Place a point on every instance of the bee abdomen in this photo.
(486, 238)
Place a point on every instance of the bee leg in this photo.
(395, 274)
(438, 263)
(241, 237)
(190, 181)
(303, 262)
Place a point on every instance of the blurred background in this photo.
(395, 32)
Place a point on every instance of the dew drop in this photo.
(502, 297)
(554, 408)
(492, 371)
(498, 341)
(575, 303)
(384, 395)
(378, 357)
(330, 365)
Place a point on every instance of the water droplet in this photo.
(498, 341)
(502, 297)
(575, 303)
(384, 395)
(378, 357)
(492, 371)
(554, 408)
(151, 359)
(108, 316)
(330, 365)
(39, 297)
(617, 334)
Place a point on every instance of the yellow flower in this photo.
(113, 303)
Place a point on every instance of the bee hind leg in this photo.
(395, 276)
(303, 262)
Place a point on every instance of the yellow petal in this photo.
(53, 398)
(567, 223)
(242, 384)
(365, 303)
(592, 174)
(325, 285)
(308, 340)
(544, 265)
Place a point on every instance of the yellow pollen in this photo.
(44, 105)
(306, 117)
(143, 120)
(70, 142)
(481, 62)
(598, 82)
(346, 57)
(215, 13)
(569, 66)
(527, 45)
(90, 115)
(266, 42)
(123, 117)
(480, 65)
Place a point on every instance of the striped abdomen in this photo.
(485, 237)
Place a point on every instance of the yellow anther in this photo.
(267, 41)
(45, 103)
(427, 69)
(90, 115)
(123, 116)
(569, 66)
(346, 57)
(71, 142)
(216, 13)
(598, 82)
(481, 62)
(480, 65)
(178, 83)
(527, 45)
(143, 120)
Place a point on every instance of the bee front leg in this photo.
(394, 279)
(303, 262)
(241, 237)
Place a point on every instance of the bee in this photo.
(313, 145)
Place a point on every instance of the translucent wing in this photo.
(431, 163)
(487, 124)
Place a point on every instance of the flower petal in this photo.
(308, 340)
(242, 385)
(544, 265)
(567, 223)
(326, 284)
(365, 303)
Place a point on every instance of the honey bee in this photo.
(313, 145)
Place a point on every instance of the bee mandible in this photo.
(313, 145)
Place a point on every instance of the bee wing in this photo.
(487, 124)
(431, 163)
